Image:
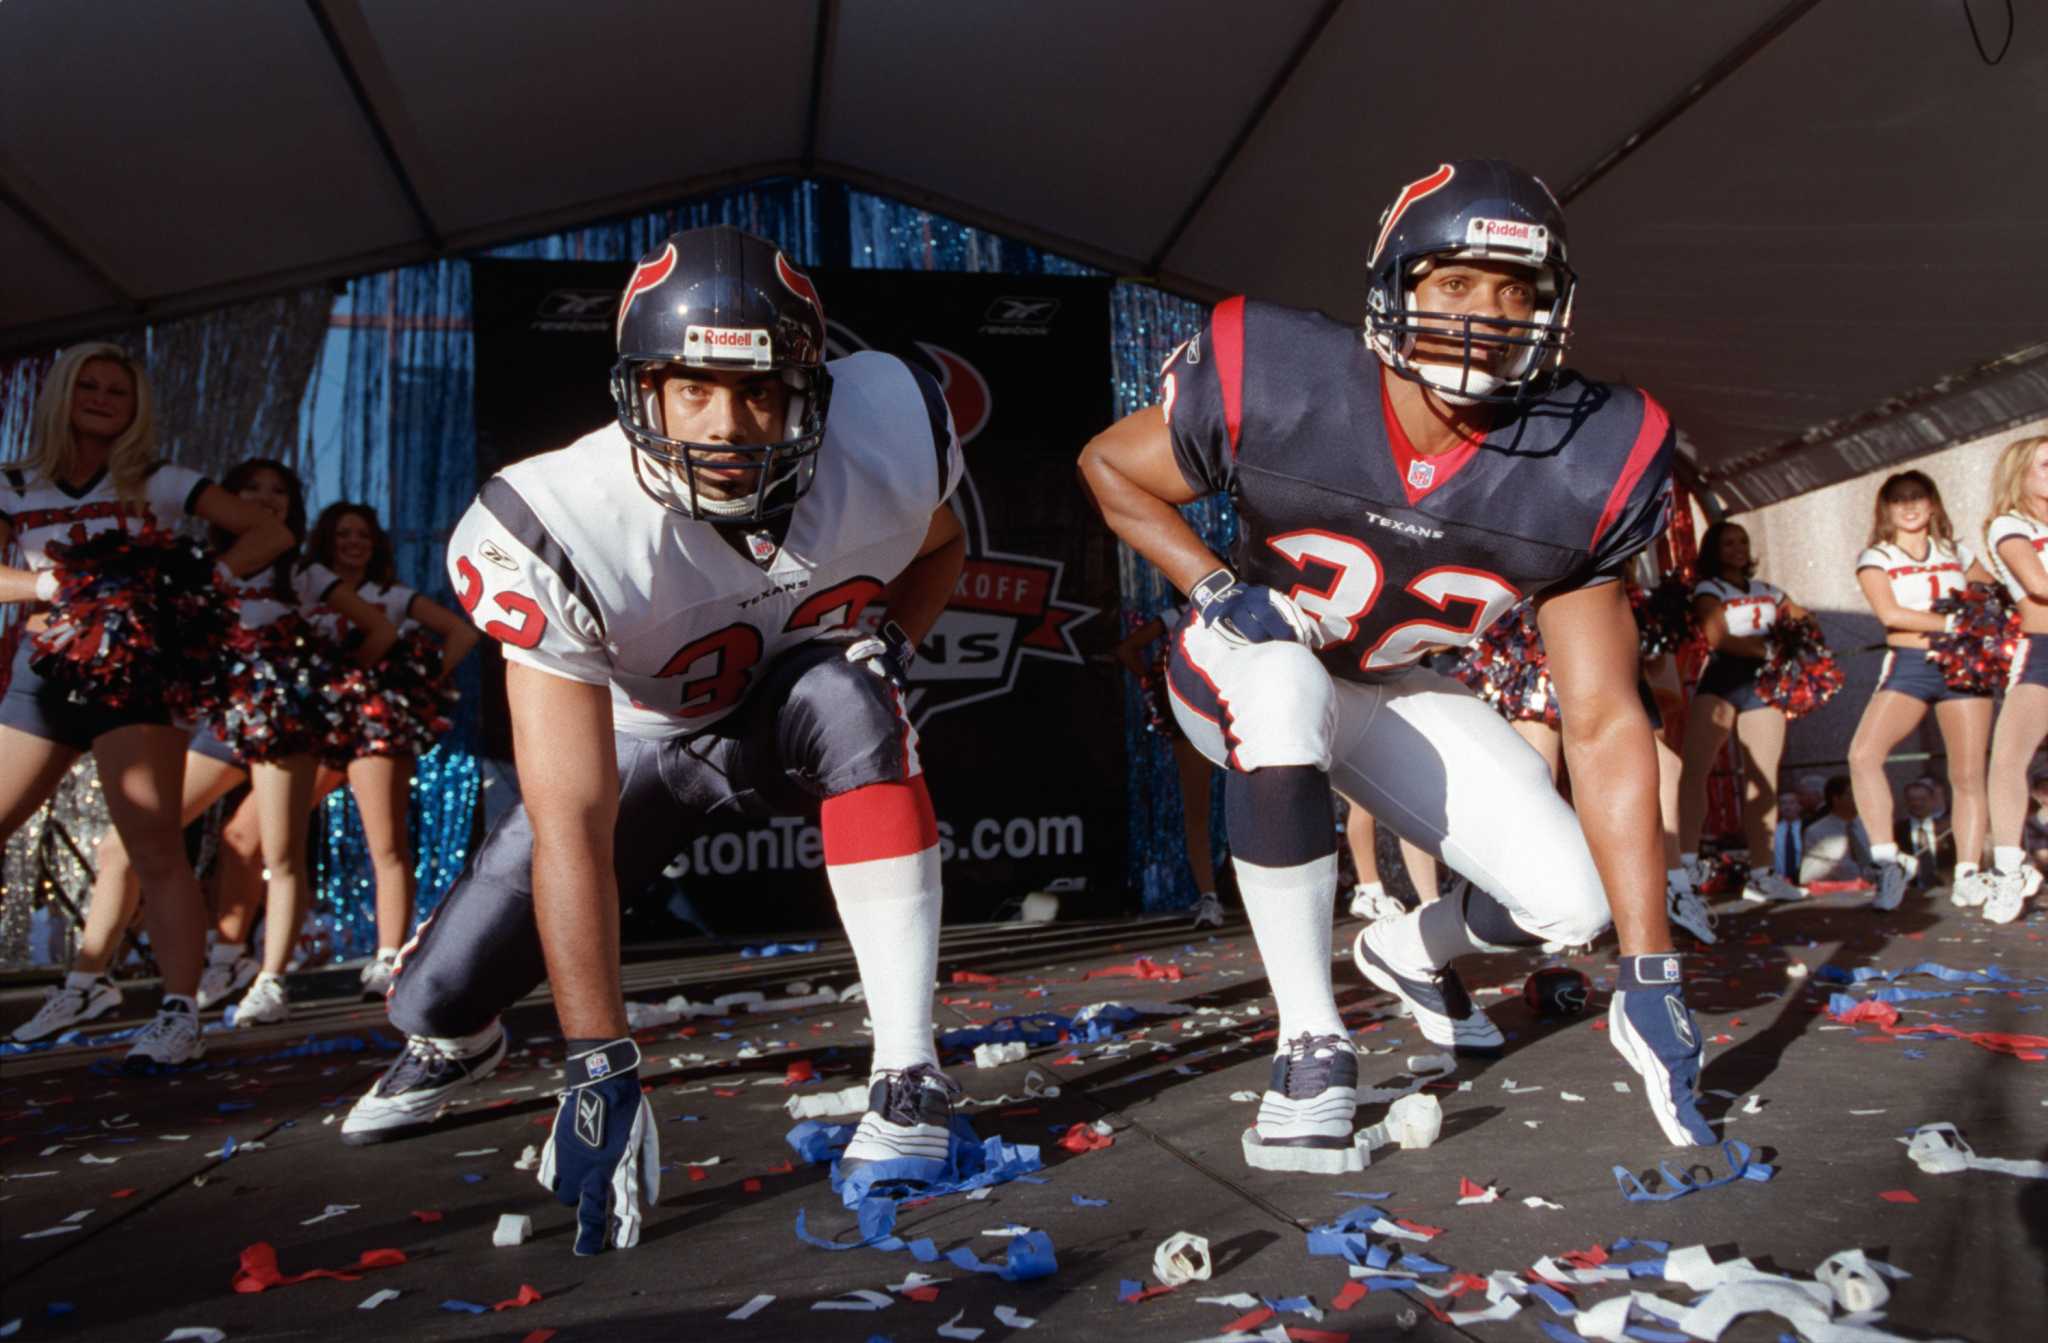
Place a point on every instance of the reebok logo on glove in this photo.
(590, 1119)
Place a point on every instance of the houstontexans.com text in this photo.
(788, 843)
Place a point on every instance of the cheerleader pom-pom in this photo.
(277, 702)
(138, 622)
(1506, 667)
(1664, 620)
(398, 707)
(1801, 673)
(1976, 655)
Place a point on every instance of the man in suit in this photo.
(1923, 830)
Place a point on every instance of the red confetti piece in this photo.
(1146, 1295)
(1348, 1296)
(1593, 1256)
(1722, 1039)
(800, 1071)
(538, 1336)
(787, 1167)
(124, 1193)
(722, 1092)
(972, 977)
(425, 1215)
(923, 1294)
(1462, 1283)
(258, 1269)
(1419, 1228)
(1249, 1321)
(528, 1294)
(751, 1186)
(1898, 1196)
(1084, 1138)
(1142, 968)
(698, 1173)
(1467, 1189)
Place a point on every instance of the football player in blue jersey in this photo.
(1399, 488)
(679, 598)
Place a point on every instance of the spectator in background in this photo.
(1837, 849)
(1813, 798)
(1370, 899)
(1788, 843)
(1925, 832)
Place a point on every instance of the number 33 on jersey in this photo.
(576, 572)
(1390, 553)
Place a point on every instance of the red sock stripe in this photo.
(882, 820)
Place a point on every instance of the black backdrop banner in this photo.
(1022, 738)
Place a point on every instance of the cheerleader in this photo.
(93, 468)
(2014, 540)
(281, 790)
(1912, 561)
(1735, 611)
(349, 540)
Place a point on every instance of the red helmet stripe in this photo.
(646, 275)
(1410, 194)
(800, 285)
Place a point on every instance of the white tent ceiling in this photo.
(1784, 213)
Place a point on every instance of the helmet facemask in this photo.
(1535, 345)
(666, 468)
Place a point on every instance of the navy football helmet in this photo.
(719, 299)
(1472, 210)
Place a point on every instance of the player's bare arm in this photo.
(1130, 472)
(568, 778)
(1591, 635)
(921, 591)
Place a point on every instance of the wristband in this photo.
(1210, 588)
(607, 1060)
(46, 585)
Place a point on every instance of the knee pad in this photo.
(1252, 706)
(846, 727)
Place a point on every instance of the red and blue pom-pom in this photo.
(137, 622)
(398, 707)
(1976, 656)
(1664, 619)
(1507, 667)
(1801, 673)
(281, 691)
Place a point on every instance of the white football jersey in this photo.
(569, 564)
(2004, 527)
(1751, 609)
(43, 511)
(1917, 584)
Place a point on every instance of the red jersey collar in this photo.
(1419, 474)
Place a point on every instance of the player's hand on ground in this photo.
(603, 1156)
(1247, 613)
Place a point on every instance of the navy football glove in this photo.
(1654, 1030)
(886, 653)
(1247, 613)
(604, 1152)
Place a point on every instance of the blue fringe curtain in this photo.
(388, 422)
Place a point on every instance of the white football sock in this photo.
(1290, 909)
(890, 910)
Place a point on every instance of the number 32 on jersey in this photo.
(1342, 603)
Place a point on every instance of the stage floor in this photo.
(150, 1217)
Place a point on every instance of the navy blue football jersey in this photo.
(1391, 553)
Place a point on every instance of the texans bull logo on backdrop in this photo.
(1006, 607)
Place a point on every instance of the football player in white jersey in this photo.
(94, 467)
(1736, 612)
(679, 596)
(2015, 538)
(1913, 558)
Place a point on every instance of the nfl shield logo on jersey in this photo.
(762, 544)
(1421, 475)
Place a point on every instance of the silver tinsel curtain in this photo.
(368, 392)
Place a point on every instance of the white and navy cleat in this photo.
(1765, 885)
(908, 1128)
(66, 1007)
(1892, 878)
(1309, 1113)
(1443, 1011)
(417, 1086)
(2005, 895)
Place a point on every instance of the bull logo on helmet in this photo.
(646, 276)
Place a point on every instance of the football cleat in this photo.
(1373, 907)
(264, 1004)
(1765, 885)
(170, 1039)
(224, 979)
(1310, 1109)
(1892, 877)
(2005, 895)
(1208, 911)
(1969, 891)
(1442, 1009)
(416, 1087)
(65, 1007)
(1654, 1030)
(908, 1125)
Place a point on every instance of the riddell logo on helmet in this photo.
(727, 345)
(1510, 233)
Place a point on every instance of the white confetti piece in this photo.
(1491, 1195)
(332, 1210)
(1866, 1112)
(528, 1159)
(1008, 1231)
(1621, 1087)
(1008, 1315)
(864, 1298)
(195, 1333)
(914, 1281)
(479, 1151)
(1236, 1301)
(52, 1231)
(512, 1229)
(752, 1308)
(954, 1329)
(1754, 1105)
(1534, 1202)
(75, 1218)
(376, 1299)
(88, 1159)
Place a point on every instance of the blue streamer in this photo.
(1740, 1167)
